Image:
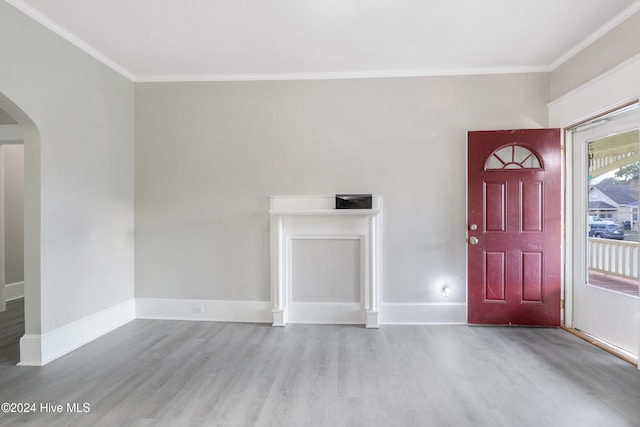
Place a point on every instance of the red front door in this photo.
(514, 216)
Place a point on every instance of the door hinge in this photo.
(562, 304)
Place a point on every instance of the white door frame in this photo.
(9, 135)
(3, 303)
(604, 314)
(615, 88)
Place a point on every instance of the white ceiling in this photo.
(168, 40)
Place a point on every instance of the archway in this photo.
(30, 352)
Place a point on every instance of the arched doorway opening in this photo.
(30, 353)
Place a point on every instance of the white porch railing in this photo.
(614, 257)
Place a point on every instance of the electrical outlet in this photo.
(197, 309)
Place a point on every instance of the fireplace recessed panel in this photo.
(325, 270)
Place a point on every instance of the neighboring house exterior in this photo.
(617, 202)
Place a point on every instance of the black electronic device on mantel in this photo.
(353, 201)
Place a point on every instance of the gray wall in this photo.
(14, 213)
(6, 119)
(618, 45)
(209, 155)
(78, 121)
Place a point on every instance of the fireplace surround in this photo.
(316, 218)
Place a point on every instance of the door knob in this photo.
(473, 227)
(473, 240)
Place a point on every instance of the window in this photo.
(513, 156)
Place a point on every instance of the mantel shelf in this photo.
(327, 212)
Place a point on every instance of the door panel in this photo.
(495, 207)
(532, 198)
(514, 257)
(532, 274)
(496, 277)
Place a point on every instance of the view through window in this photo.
(613, 186)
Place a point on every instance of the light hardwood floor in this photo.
(11, 329)
(178, 373)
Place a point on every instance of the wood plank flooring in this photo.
(11, 329)
(179, 373)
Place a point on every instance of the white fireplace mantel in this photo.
(315, 217)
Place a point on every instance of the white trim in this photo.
(606, 92)
(38, 350)
(604, 29)
(3, 305)
(30, 350)
(205, 310)
(428, 313)
(598, 312)
(329, 313)
(260, 311)
(423, 313)
(612, 89)
(378, 74)
(82, 45)
(316, 217)
(13, 291)
(70, 37)
(566, 242)
(324, 212)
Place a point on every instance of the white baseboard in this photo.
(326, 313)
(261, 312)
(205, 310)
(423, 313)
(38, 350)
(30, 350)
(13, 291)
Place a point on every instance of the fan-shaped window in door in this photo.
(513, 156)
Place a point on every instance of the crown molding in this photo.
(151, 78)
(71, 38)
(611, 24)
(340, 75)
